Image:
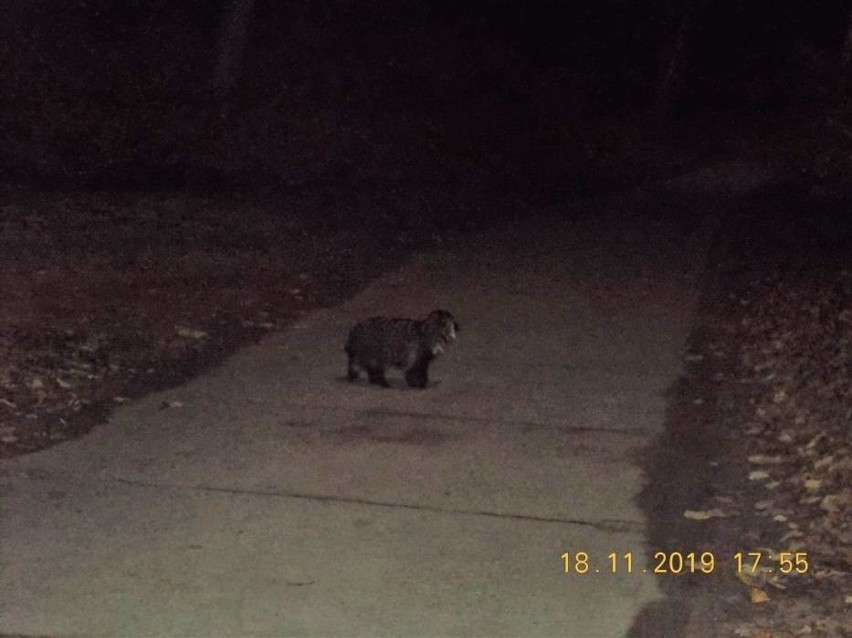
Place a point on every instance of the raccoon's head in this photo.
(443, 324)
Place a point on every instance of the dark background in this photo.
(523, 97)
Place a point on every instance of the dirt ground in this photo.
(756, 459)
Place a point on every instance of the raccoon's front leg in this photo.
(377, 377)
(417, 376)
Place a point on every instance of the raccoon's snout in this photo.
(454, 328)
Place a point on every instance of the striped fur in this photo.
(408, 344)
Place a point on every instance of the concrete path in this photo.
(281, 500)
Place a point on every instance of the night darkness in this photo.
(103, 91)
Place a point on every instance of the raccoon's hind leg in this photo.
(377, 377)
(352, 370)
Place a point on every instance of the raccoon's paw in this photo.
(351, 370)
(377, 377)
(416, 379)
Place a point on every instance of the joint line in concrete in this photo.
(613, 526)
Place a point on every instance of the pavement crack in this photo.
(612, 526)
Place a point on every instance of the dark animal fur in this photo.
(408, 344)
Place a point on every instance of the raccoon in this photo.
(408, 344)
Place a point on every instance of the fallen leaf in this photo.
(813, 442)
(836, 502)
(703, 515)
(758, 475)
(812, 484)
(266, 325)
(758, 596)
(744, 578)
(762, 459)
(825, 461)
(190, 333)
